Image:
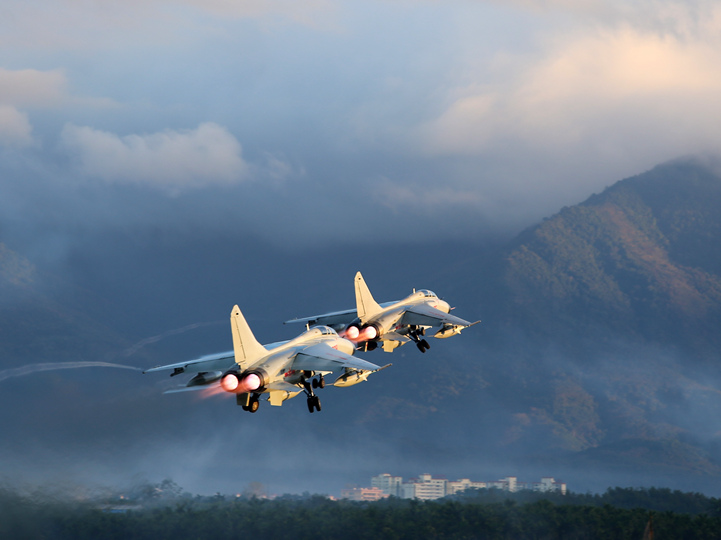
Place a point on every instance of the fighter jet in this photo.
(392, 323)
(281, 370)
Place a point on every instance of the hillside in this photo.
(608, 317)
(642, 259)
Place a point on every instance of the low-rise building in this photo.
(363, 494)
(425, 487)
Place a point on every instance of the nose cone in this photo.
(444, 306)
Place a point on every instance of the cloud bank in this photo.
(172, 160)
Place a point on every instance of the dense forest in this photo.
(483, 514)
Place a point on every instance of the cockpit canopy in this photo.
(427, 293)
(325, 330)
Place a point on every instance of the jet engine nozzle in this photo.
(239, 384)
(368, 333)
(352, 332)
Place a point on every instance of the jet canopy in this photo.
(324, 330)
(427, 293)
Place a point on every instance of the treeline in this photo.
(301, 517)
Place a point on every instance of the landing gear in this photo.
(253, 404)
(313, 400)
(415, 334)
(313, 404)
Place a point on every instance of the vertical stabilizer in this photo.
(246, 347)
(365, 305)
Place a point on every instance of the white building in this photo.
(425, 487)
(463, 484)
(390, 485)
(428, 488)
(509, 483)
(548, 484)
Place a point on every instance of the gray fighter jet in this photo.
(280, 370)
(392, 323)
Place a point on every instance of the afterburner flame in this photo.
(369, 332)
(213, 390)
(251, 382)
(352, 332)
(230, 382)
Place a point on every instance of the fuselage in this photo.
(276, 365)
(387, 320)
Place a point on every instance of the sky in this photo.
(129, 129)
(363, 121)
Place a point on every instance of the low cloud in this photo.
(169, 160)
(15, 128)
(32, 88)
(589, 88)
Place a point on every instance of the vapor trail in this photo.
(147, 341)
(34, 368)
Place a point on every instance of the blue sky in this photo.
(398, 118)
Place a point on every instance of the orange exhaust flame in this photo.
(212, 390)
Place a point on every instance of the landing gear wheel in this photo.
(313, 404)
(253, 407)
(315, 383)
(321, 383)
(423, 345)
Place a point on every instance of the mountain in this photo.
(612, 309)
(642, 259)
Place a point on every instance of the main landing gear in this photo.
(253, 404)
(415, 334)
(313, 400)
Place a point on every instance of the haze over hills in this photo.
(596, 358)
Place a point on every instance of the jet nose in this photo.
(444, 306)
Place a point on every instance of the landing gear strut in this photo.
(415, 334)
(313, 404)
(253, 403)
(313, 400)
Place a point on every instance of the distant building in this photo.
(363, 494)
(461, 485)
(509, 483)
(425, 487)
(428, 488)
(390, 485)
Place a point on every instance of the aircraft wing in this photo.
(334, 318)
(322, 357)
(425, 315)
(329, 319)
(210, 362)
